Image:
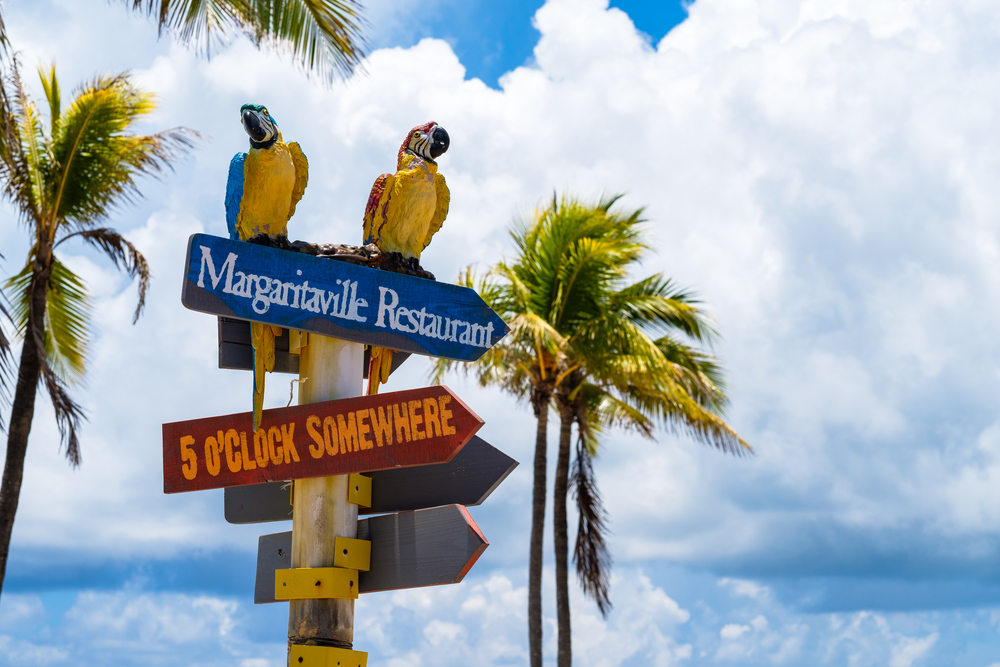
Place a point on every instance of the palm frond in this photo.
(96, 161)
(25, 154)
(656, 302)
(6, 355)
(67, 318)
(591, 553)
(203, 22)
(324, 36)
(680, 413)
(700, 373)
(68, 414)
(4, 41)
(616, 412)
(50, 84)
(124, 255)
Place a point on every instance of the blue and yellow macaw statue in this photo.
(405, 210)
(264, 186)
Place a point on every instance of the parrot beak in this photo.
(251, 123)
(440, 144)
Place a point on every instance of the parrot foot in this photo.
(395, 262)
(363, 255)
(366, 255)
(351, 254)
(279, 241)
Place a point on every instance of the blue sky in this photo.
(491, 38)
(822, 174)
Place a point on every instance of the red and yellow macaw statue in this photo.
(263, 188)
(405, 210)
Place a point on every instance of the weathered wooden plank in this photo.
(235, 352)
(366, 433)
(468, 479)
(298, 291)
(409, 550)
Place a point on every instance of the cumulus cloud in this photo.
(823, 173)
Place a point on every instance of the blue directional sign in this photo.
(288, 289)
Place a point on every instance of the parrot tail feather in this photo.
(378, 369)
(262, 341)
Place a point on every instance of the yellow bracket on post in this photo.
(325, 656)
(354, 554)
(312, 583)
(297, 340)
(360, 490)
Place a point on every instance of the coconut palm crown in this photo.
(605, 353)
(65, 178)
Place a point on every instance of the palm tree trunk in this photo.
(540, 402)
(21, 414)
(561, 534)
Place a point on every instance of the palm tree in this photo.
(65, 180)
(323, 36)
(581, 338)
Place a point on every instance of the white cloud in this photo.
(733, 631)
(744, 587)
(822, 204)
(911, 649)
(823, 173)
(17, 610)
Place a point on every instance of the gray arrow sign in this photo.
(468, 479)
(409, 550)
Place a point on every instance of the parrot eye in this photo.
(417, 135)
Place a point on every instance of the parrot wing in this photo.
(234, 194)
(375, 208)
(441, 211)
(301, 174)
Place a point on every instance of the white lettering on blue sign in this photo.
(227, 268)
(428, 324)
(264, 291)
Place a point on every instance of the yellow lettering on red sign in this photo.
(277, 456)
(248, 463)
(212, 462)
(348, 433)
(402, 421)
(315, 449)
(260, 454)
(446, 428)
(416, 419)
(189, 458)
(233, 459)
(330, 435)
(431, 418)
(381, 425)
(287, 437)
(363, 430)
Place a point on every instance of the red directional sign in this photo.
(363, 434)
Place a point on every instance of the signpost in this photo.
(468, 479)
(408, 550)
(391, 310)
(236, 353)
(346, 454)
(406, 428)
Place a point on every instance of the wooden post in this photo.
(330, 369)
